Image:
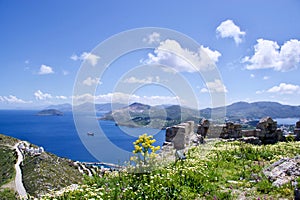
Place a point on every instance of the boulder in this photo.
(283, 171)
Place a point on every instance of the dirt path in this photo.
(18, 179)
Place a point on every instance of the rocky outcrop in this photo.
(283, 171)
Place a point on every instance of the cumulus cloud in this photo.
(85, 56)
(152, 38)
(229, 29)
(89, 81)
(172, 54)
(266, 77)
(215, 86)
(269, 55)
(39, 95)
(252, 76)
(12, 99)
(284, 88)
(125, 98)
(146, 80)
(44, 69)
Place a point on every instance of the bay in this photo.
(58, 134)
(286, 121)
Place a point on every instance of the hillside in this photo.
(138, 114)
(41, 173)
(215, 170)
(256, 110)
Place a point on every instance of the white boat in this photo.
(90, 134)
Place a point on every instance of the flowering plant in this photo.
(144, 150)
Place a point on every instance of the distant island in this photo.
(50, 112)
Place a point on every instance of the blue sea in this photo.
(58, 134)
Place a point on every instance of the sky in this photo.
(254, 46)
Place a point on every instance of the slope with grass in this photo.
(216, 170)
(40, 173)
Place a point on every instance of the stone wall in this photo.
(180, 135)
(231, 130)
(268, 132)
(202, 128)
(297, 130)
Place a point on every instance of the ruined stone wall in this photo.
(231, 130)
(180, 135)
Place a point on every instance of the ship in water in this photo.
(90, 134)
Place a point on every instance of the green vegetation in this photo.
(7, 141)
(7, 159)
(151, 116)
(216, 170)
(7, 194)
(144, 154)
(47, 172)
(7, 162)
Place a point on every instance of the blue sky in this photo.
(254, 45)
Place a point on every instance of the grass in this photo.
(7, 194)
(220, 171)
(7, 162)
(47, 172)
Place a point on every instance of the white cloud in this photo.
(44, 69)
(266, 77)
(284, 88)
(146, 80)
(61, 97)
(172, 54)
(85, 56)
(91, 81)
(125, 98)
(252, 75)
(229, 29)
(269, 55)
(12, 99)
(152, 38)
(204, 90)
(39, 95)
(214, 87)
(259, 91)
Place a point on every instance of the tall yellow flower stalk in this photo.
(143, 146)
